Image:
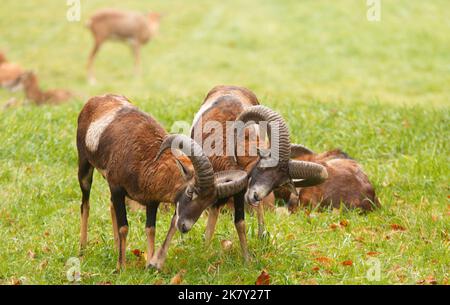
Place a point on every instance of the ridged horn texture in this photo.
(230, 182)
(262, 113)
(311, 173)
(204, 174)
(300, 150)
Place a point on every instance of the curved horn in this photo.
(300, 150)
(262, 113)
(230, 182)
(311, 173)
(204, 174)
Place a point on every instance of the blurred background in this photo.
(304, 50)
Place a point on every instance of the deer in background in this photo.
(33, 92)
(9, 74)
(134, 28)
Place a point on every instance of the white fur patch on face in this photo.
(97, 128)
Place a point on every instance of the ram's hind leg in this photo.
(150, 229)
(85, 172)
(118, 200)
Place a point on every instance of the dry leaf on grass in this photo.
(290, 236)
(397, 227)
(430, 280)
(373, 253)
(15, 281)
(347, 263)
(178, 278)
(324, 260)
(43, 264)
(263, 278)
(31, 254)
(226, 244)
(137, 252)
(333, 226)
(343, 223)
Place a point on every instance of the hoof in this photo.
(263, 235)
(154, 264)
(120, 269)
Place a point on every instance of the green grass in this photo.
(379, 90)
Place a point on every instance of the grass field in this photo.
(379, 90)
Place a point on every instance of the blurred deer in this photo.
(9, 74)
(134, 28)
(33, 92)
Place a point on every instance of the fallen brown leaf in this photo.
(226, 244)
(397, 227)
(360, 239)
(178, 278)
(310, 282)
(290, 236)
(16, 281)
(430, 280)
(343, 223)
(333, 226)
(31, 254)
(263, 278)
(373, 253)
(315, 268)
(43, 264)
(347, 263)
(324, 260)
(137, 252)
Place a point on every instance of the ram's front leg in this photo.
(213, 214)
(158, 259)
(150, 229)
(239, 223)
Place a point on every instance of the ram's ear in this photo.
(186, 173)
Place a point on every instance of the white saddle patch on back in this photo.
(97, 128)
